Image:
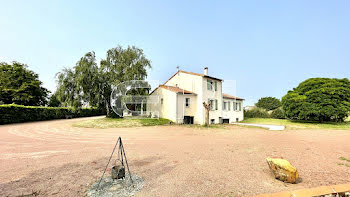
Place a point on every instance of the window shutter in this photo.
(216, 104)
(229, 105)
(216, 86)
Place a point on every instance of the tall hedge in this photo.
(256, 112)
(18, 113)
(278, 113)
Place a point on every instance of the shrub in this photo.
(18, 113)
(256, 113)
(278, 113)
(269, 103)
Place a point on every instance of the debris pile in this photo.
(110, 187)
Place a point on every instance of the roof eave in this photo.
(207, 76)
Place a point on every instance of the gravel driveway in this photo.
(52, 158)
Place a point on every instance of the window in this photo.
(209, 84)
(234, 106)
(224, 106)
(161, 101)
(240, 106)
(187, 102)
(229, 105)
(216, 104)
(212, 121)
(211, 102)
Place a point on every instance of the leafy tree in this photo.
(20, 85)
(88, 82)
(53, 101)
(318, 99)
(80, 84)
(269, 103)
(119, 66)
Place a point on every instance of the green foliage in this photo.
(122, 65)
(269, 103)
(53, 101)
(256, 112)
(80, 84)
(20, 85)
(18, 113)
(89, 83)
(318, 99)
(278, 113)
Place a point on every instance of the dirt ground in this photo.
(52, 158)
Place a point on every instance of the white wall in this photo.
(168, 108)
(191, 110)
(233, 114)
(194, 84)
(213, 95)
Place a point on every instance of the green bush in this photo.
(318, 99)
(256, 112)
(278, 113)
(18, 113)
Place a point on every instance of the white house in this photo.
(181, 99)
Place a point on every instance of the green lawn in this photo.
(120, 122)
(299, 124)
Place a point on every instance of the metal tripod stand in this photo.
(121, 158)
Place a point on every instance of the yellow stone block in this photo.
(283, 170)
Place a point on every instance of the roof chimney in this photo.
(206, 71)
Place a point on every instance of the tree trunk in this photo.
(207, 119)
(107, 108)
(207, 109)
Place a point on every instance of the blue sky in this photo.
(268, 47)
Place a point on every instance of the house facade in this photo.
(181, 100)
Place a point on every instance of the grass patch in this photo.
(299, 124)
(344, 159)
(344, 164)
(104, 123)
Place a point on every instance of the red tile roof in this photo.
(231, 97)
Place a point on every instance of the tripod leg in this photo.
(126, 161)
(119, 139)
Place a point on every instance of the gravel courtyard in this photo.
(52, 158)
